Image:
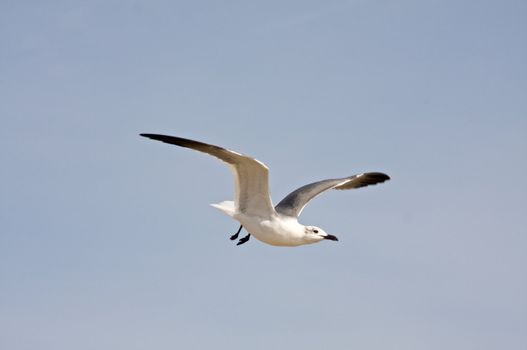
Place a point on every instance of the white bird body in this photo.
(253, 208)
(277, 230)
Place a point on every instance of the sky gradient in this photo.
(107, 240)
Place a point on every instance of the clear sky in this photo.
(107, 240)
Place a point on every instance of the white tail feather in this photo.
(227, 207)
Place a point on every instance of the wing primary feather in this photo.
(294, 203)
(251, 176)
(363, 180)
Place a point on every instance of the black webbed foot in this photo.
(234, 236)
(244, 239)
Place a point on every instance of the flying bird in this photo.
(252, 206)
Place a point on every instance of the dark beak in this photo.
(331, 237)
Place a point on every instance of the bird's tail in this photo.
(227, 207)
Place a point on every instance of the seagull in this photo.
(252, 206)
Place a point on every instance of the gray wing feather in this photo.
(251, 175)
(294, 203)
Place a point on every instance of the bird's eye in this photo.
(316, 231)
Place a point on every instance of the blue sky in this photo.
(107, 240)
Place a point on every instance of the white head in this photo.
(313, 234)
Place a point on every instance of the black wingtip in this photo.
(179, 141)
(158, 137)
(380, 177)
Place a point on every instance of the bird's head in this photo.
(315, 234)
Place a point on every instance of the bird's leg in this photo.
(234, 236)
(244, 239)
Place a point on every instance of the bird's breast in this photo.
(273, 231)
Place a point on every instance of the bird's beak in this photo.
(331, 237)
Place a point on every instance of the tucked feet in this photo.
(244, 239)
(234, 236)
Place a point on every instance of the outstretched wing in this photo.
(294, 203)
(251, 176)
